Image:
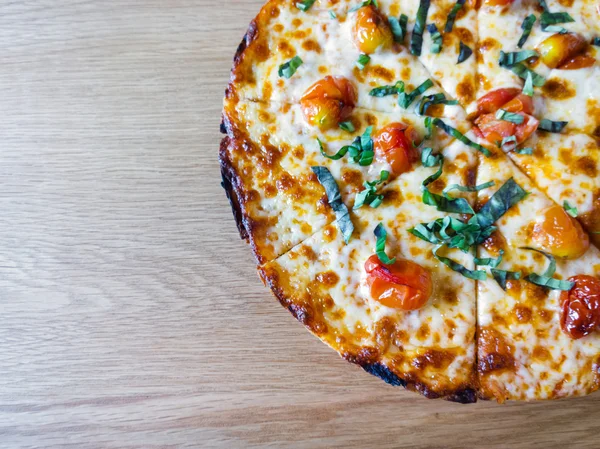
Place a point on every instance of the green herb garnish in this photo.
(527, 150)
(526, 26)
(571, 210)
(517, 119)
(430, 100)
(287, 69)
(369, 195)
(404, 99)
(416, 40)
(501, 276)
(383, 91)
(381, 235)
(452, 15)
(455, 266)
(551, 126)
(347, 126)
(460, 188)
(460, 136)
(334, 198)
(489, 261)
(528, 87)
(362, 61)
(546, 279)
(464, 52)
(436, 37)
(509, 194)
(398, 27)
(305, 5)
(514, 57)
(547, 19)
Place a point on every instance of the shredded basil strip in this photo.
(492, 262)
(514, 57)
(287, 69)
(528, 87)
(334, 157)
(335, 201)
(333, 15)
(527, 150)
(464, 52)
(571, 210)
(362, 61)
(347, 126)
(398, 27)
(455, 266)
(550, 126)
(460, 188)
(509, 194)
(365, 3)
(405, 100)
(383, 91)
(442, 203)
(546, 279)
(596, 41)
(452, 16)
(460, 136)
(506, 140)
(517, 119)
(453, 232)
(543, 5)
(522, 72)
(552, 18)
(501, 276)
(428, 159)
(526, 26)
(436, 37)
(430, 100)
(369, 195)
(305, 5)
(381, 235)
(416, 40)
(428, 126)
(360, 151)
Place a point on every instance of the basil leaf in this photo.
(550, 126)
(383, 91)
(528, 87)
(501, 276)
(362, 61)
(543, 5)
(381, 235)
(464, 52)
(347, 126)
(287, 69)
(398, 27)
(555, 29)
(460, 188)
(517, 119)
(512, 140)
(365, 3)
(460, 136)
(571, 210)
(452, 16)
(551, 283)
(428, 126)
(552, 18)
(436, 175)
(436, 37)
(455, 266)
(335, 201)
(416, 40)
(428, 159)
(489, 261)
(501, 201)
(514, 57)
(404, 99)
(551, 261)
(429, 100)
(452, 232)
(526, 26)
(369, 196)
(444, 204)
(340, 154)
(305, 5)
(527, 150)
(333, 15)
(522, 71)
(596, 41)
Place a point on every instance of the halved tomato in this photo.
(494, 130)
(394, 144)
(328, 102)
(494, 100)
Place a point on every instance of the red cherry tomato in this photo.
(394, 145)
(560, 234)
(498, 2)
(581, 306)
(371, 30)
(402, 285)
(328, 102)
(521, 103)
(492, 101)
(578, 62)
(494, 130)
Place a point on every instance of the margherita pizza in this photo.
(419, 183)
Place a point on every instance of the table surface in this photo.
(131, 315)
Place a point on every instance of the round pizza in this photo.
(419, 183)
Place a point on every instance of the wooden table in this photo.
(130, 312)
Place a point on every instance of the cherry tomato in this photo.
(328, 102)
(402, 285)
(394, 144)
(560, 234)
(492, 101)
(498, 2)
(494, 130)
(578, 62)
(371, 30)
(521, 103)
(559, 48)
(581, 306)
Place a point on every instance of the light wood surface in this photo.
(131, 315)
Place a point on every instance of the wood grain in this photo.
(130, 312)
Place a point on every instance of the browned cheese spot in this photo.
(383, 330)
(323, 69)
(296, 22)
(278, 27)
(298, 153)
(285, 182)
(466, 89)
(494, 243)
(586, 165)
(558, 89)
(328, 278)
(437, 359)
(593, 112)
(464, 34)
(522, 314)
(566, 3)
(270, 191)
(285, 49)
(311, 45)
(307, 252)
(541, 353)
(352, 178)
(495, 354)
(423, 331)
(329, 233)
(306, 228)
(299, 34)
(485, 46)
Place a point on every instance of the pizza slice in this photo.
(566, 167)
(538, 311)
(290, 55)
(388, 299)
(269, 150)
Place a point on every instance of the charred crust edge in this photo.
(228, 177)
(249, 37)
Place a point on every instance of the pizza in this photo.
(418, 181)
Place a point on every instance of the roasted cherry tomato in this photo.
(560, 234)
(498, 2)
(402, 285)
(371, 31)
(521, 103)
(494, 100)
(559, 48)
(394, 144)
(578, 62)
(494, 130)
(581, 306)
(328, 102)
